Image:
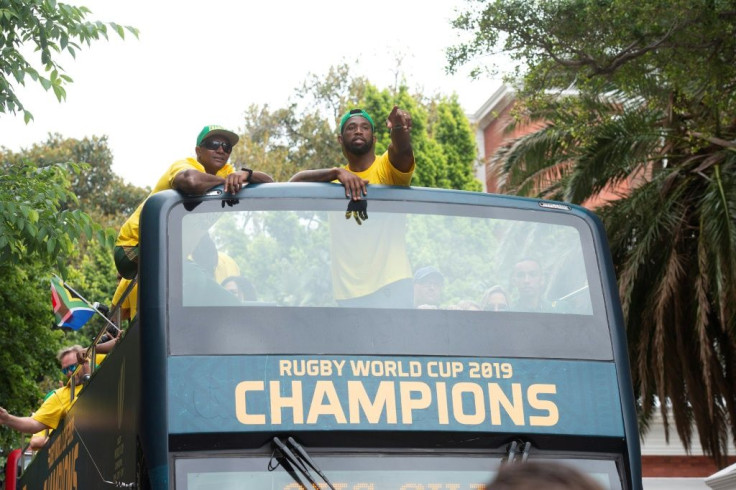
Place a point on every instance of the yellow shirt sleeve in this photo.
(128, 235)
(56, 406)
(382, 172)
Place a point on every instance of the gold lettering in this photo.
(553, 415)
(385, 398)
(457, 403)
(325, 367)
(497, 398)
(443, 416)
(284, 367)
(279, 402)
(75, 456)
(333, 407)
(241, 404)
(408, 403)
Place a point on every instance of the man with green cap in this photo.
(189, 176)
(370, 267)
(357, 138)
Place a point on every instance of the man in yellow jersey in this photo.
(370, 266)
(189, 176)
(58, 403)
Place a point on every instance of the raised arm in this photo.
(27, 425)
(400, 152)
(355, 187)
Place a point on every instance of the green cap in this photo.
(215, 130)
(356, 112)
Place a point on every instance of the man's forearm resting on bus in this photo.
(196, 183)
(355, 186)
(27, 425)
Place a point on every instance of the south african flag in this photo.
(71, 311)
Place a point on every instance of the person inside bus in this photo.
(465, 305)
(428, 285)
(241, 287)
(532, 475)
(528, 286)
(189, 176)
(199, 276)
(495, 299)
(59, 402)
(370, 267)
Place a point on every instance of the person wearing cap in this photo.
(189, 176)
(428, 284)
(357, 138)
(370, 267)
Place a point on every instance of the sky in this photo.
(199, 63)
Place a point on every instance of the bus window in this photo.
(317, 258)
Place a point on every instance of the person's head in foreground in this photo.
(541, 475)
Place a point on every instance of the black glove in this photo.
(358, 210)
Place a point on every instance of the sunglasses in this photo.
(69, 369)
(215, 145)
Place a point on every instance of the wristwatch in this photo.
(250, 173)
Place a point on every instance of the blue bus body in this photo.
(381, 397)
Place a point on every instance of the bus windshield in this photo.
(386, 471)
(421, 264)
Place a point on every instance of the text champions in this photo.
(380, 392)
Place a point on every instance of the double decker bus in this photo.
(328, 375)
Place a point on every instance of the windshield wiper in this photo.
(299, 461)
(518, 451)
(303, 453)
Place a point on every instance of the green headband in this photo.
(356, 112)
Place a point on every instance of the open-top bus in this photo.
(209, 391)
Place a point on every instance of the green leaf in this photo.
(59, 92)
(50, 245)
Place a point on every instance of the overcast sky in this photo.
(199, 63)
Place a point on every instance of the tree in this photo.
(34, 222)
(652, 117)
(97, 192)
(36, 236)
(50, 28)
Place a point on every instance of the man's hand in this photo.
(355, 187)
(236, 181)
(357, 210)
(4, 416)
(400, 153)
(398, 120)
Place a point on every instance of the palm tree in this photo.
(672, 231)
